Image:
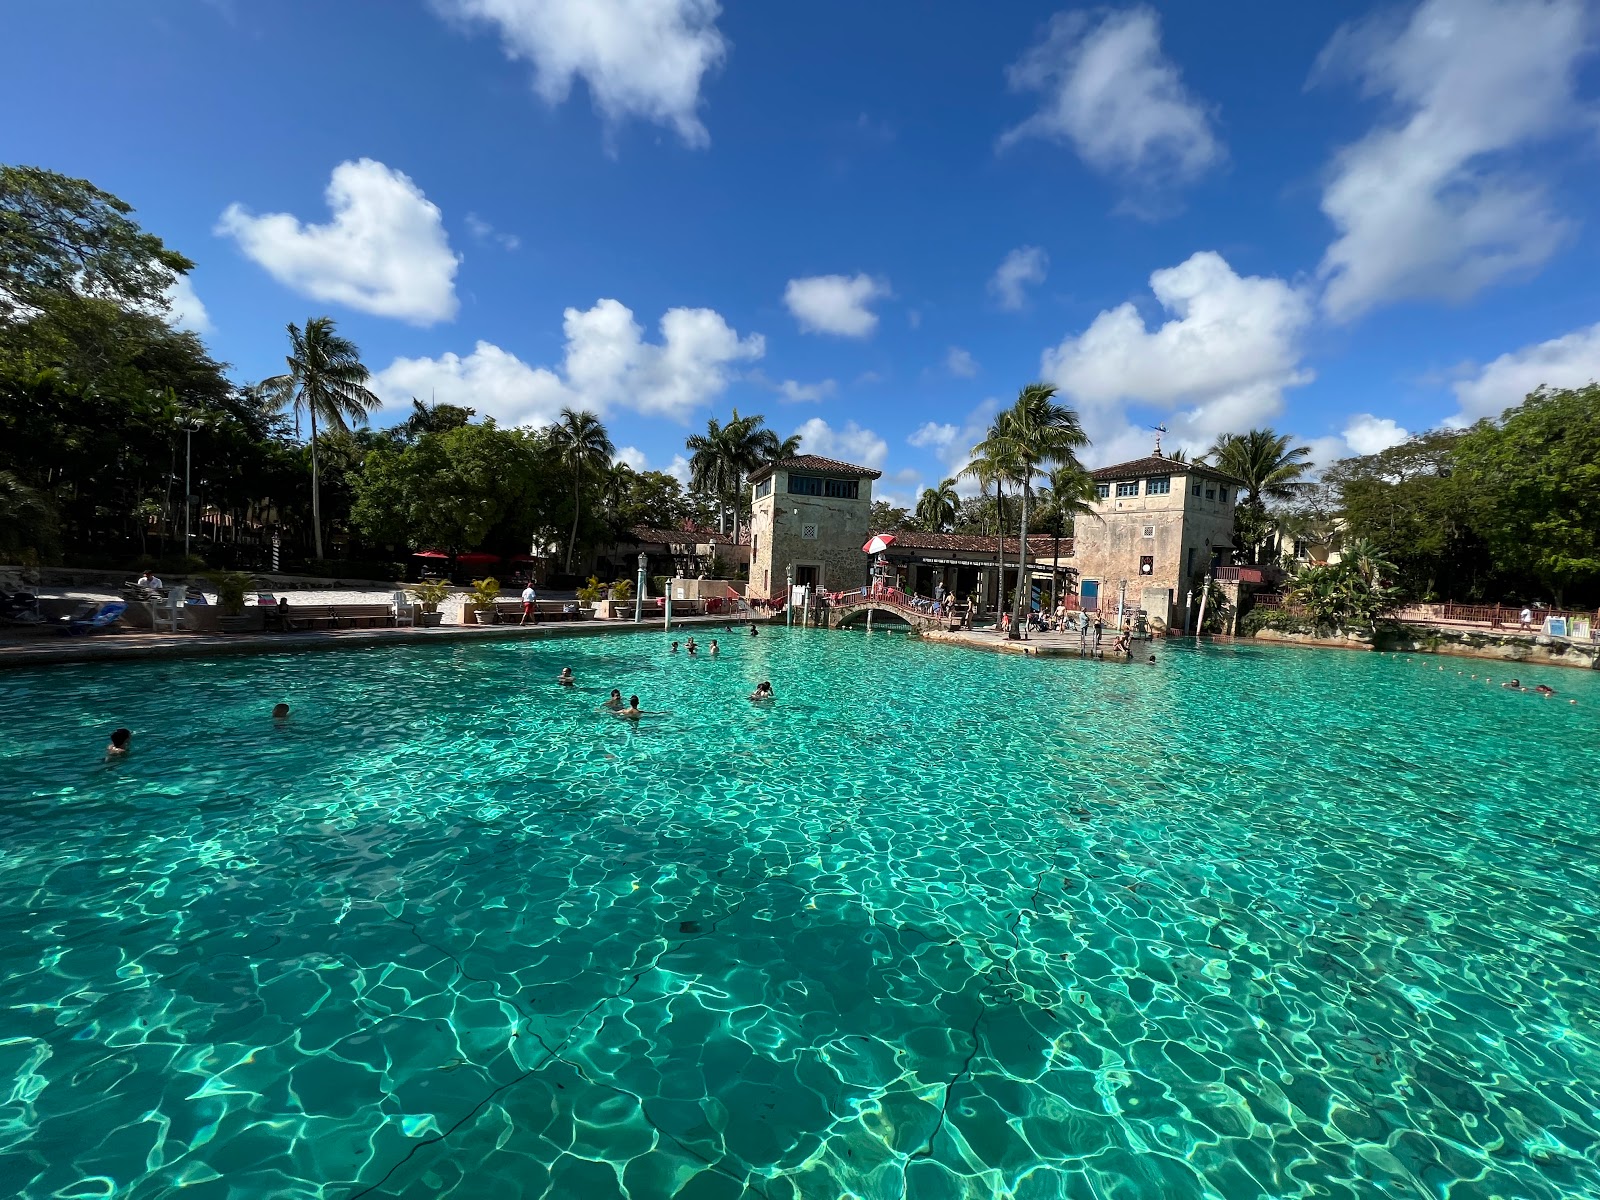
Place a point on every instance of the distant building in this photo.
(687, 552)
(1158, 525)
(812, 514)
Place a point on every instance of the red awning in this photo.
(477, 559)
(430, 554)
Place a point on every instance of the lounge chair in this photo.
(401, 609)
(97, 618)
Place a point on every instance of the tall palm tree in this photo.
(1270, 467)
(585, 449)
(1071, 496)
(938, 506)
(720, 459)
(1033, 433)
(988, 464)
(326, 380)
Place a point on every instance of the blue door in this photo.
(1089, 595)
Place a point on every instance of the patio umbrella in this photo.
(477, 559)
(430, 554)
(878, 543)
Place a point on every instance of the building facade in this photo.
(1158, 526)
(811, 514)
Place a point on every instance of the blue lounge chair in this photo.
(98, 618)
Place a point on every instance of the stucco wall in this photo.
(842, 528)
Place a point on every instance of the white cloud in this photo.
(1426, 205)
(1367, 434)
(678, 468)
(1570, 361)
(1022, 268)
(932, 436)
(488, 234)
(639, 58)
(852, 444)
(835, 303)
(607, 365)
(184, 310)
(633, 456)
(1220, 365)
(960, 363)
(1108, 90)
(385, 251)
(795, 392)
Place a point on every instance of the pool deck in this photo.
(1035, 645)
(50, 649)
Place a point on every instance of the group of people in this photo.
(1513, 684)
(629, 710)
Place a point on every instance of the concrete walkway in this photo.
(47, 648)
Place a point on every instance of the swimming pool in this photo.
(1250, 922)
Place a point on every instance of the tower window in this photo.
(1128, 489)
(1159, 485)
(1102, 490)
(764, 488)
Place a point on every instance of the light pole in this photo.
(188, 494)
(1122, 601)
(638, 594)
(788, 603)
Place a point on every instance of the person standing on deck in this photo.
(530, 602)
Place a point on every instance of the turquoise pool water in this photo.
(1250, 922)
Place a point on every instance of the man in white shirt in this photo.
(151, 581)
(530, 599)
(1527, 617)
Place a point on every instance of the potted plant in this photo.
(484, 593)
(431, 593)
(592, 592)
(231, 589)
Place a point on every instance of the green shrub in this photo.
(591, 592)
(431, 593)
(485, 592)
(231, 588)
(1277, 619)
(622, 589)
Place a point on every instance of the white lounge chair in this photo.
(400, 608)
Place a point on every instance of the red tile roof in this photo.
(973, 543)
(815, 465)
(1157, 464)
(652, 536)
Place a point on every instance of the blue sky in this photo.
(870, 222)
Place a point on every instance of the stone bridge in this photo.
(857, 610)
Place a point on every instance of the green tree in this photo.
(61, 236)
(1533, 484)
(1034, 433)
(585, 450)
(937, 507)
(1070, 494)
(721, 458)
(325, 379)
(886, 517)
(1270, 467)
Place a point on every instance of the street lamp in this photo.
(190, 424)
(638, 593)
(788, 603)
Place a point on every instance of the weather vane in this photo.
(1160, 429)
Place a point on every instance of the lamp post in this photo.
(788, 603)
(1122, 601)
(190, 424)
(275, 546)
(1188, 609)
(638, 593)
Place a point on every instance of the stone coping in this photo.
(42, 650)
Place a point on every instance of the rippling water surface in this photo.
(1250, 922)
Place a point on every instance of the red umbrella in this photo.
(430, 554)
(878, 543)
(477, 559)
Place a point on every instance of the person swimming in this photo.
(613, 701)
(763, 691)
(1544, 689)
(1515, 685)
(674, 648)
(713, 651)
(280, 711)
(754, 632)
(633, 712)
(1151, 660)
(690, 646)
(566, 678)
(119, 743)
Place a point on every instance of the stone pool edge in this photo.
(145, 647)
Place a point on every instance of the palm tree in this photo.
(584, 447)
(1034, 432)
(325, 379)
(938, 506)
(1269, 467)
(1071, 496)
(720, 459)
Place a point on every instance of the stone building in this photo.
(1161, 525)
(812, 514)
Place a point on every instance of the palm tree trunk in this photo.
(1022, 566)
(316, 486)
(999, 552)
(572, 542)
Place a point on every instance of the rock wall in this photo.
(1536, 650)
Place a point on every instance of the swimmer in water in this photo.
(713, 651)
(1544, 689)
(763, 691)
(1151, 660)
(633, 712)
(754, 632)
(690, 646)
(674, 647)
(280, 711)
(566, 678)
(119, 743)
(1515, 685)
(613, 701)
